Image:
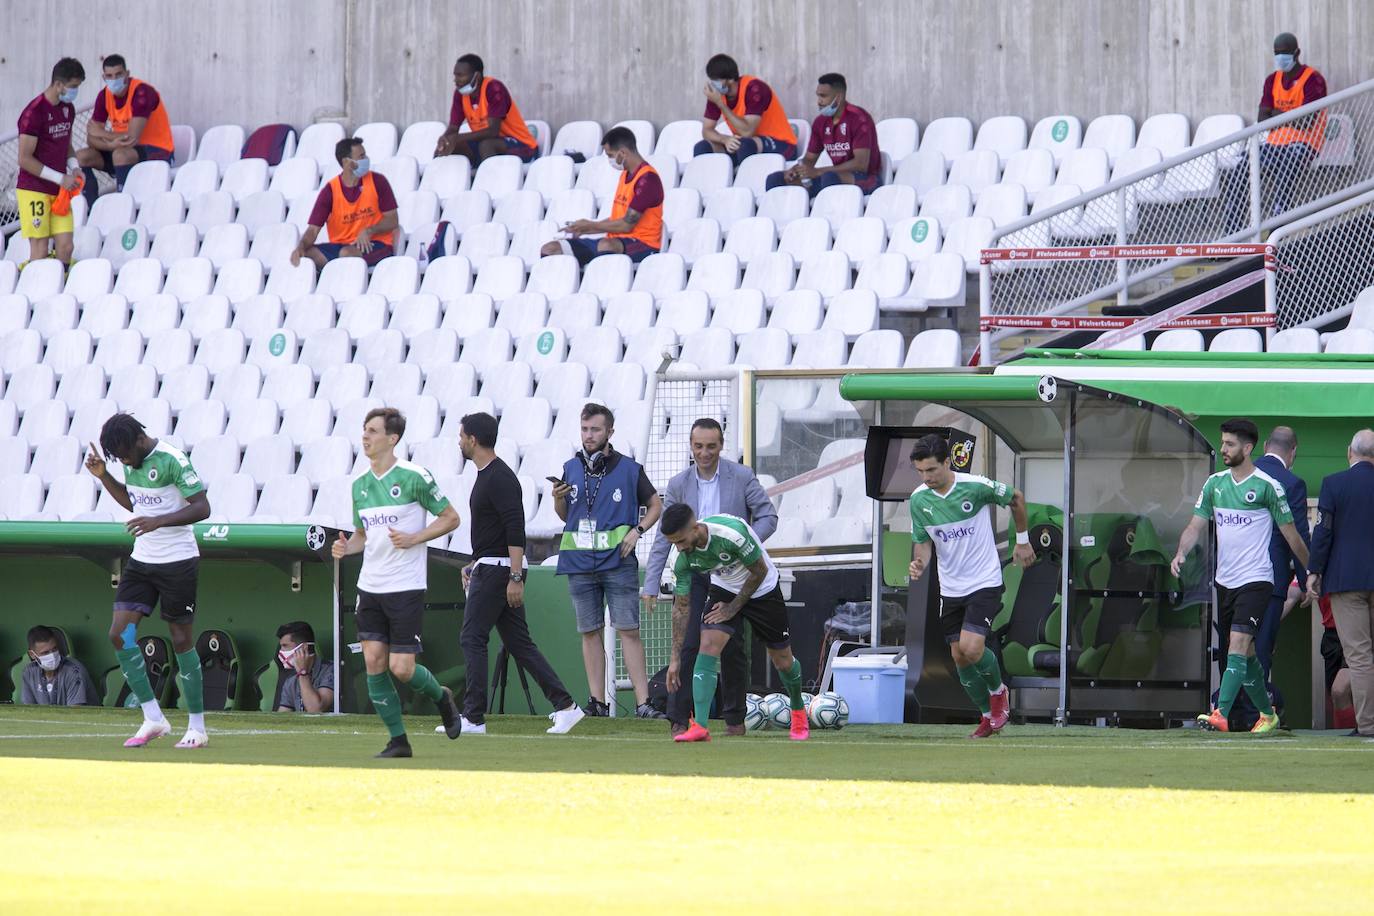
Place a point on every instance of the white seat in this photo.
(317, 142)
(695, 238)
(525, 421)
(287, 498)
(158, 211)
(486, 348)
(1178, 340)
(814, 503)
(518, 209)
(235, 498)
(325, 347)
(1059, 134)
(861, 238)
(629, 312)
(269, 456)
(258, 315)
(221, 145)
(25, 491)
(259, 210)
(1086, 169)
(67, 349)
(498, 176)
(596, 348)
(209, 209)
(797, 312)
(948, 136)
(619, 386)
(91, 412)
(271, 349)
(772, 274)
(343, 278)
(575, 311)
(147, 179)
(394, 278)
(287, 383)
(446, 176)
(711, 348)
(220, 349)
(327, 458)
(111, 211)
(976, 170)
(57, 457)
(448, 277)
(451, 382)
(215, 459)
(948, 203)
(678, 139)
(1295, 340)
(1237, 340)
(1167, 133)
(117, 350)
(199, 420)
(206, 314)
(41, 279)
(716, 275)
(542, 349)
(295, 176)
(607, 275)
(1132, 344)
(600, 177)
(876, 349)
(728, 206)
(483, 242)
(196, 178)
(685, 311)
(550, 176)
(189, 278)
(42, 422)
(234, 385)
(827, 272)
(309, 421)
(739, 311)
(680, 205)
(14, 312)
(563, 383)
(1112, 133)
(379, 139)
(1002, 203)
(967, 238)
(53, 315)
(14, 455)
(885, 275)
(382, 347)
(647, 347)
(104, 314)
(291, 283)
(554, 277)
(571, 205)
(465, 210)
(897, 137)
(254, 419)
(891, 204)
(507, 382)
(310, 313)
(419, 140)
(31, 384)
(349, 418)
(415, 314)
(1005, 135)
(469, 313)
(938, 281)
(752, 174)
(804, 237)
(923, 171)
(401, 172)
(224, 243)
(936, 348)
(660, 274)
(240, 279)
(752, 236)
(578, 137)
(1032, 169)
(417, 209)
(838, 204)
(300, 210)
(1351, 340)
(523, 312)
(500, 277)
(128, 243)
(784, 204)
(916, 238)
(244, 177)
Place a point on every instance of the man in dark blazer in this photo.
(712, 485)
(1342, 566)
(1280, 451)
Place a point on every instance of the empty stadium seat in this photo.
(221, 145)
(838, 204)
(949, 203)
(1111, 133)
(1295, 340)
(936, 348)
(860, 238)
(1178, 340)
(244, 177)
(1237, 340)
(1059, 134)
(784, 204)
(752, 236)
(891, 204)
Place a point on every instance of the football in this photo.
(778, 708)
(755, 719)
(829, 710)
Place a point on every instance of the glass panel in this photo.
(1137, 476)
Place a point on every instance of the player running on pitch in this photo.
(390, 500)
(744, 586)
(166, 496)
(952, 509)
(1241, 501)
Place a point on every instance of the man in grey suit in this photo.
(710, 486)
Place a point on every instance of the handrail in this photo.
(1280, 235)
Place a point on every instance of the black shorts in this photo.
(172, 586)
(1241, 610)
(393, 618)
(145, 153)
(974, 612)
(767, 613)
(1333, 656)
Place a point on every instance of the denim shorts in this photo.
(617, 589)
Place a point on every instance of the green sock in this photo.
(190, 681)
(704, 686)
(1254, 686)
(976, 689)
(382, 692)
(423, 682)
(135, 673)
(1231, 681)
(791, 679)
(990, 671)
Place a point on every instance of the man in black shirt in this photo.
(495, 582)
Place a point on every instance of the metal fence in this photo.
(1323, 264)
(1231, 189)
(9, 168)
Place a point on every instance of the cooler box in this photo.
(872, 685)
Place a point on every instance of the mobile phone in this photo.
(557, 481)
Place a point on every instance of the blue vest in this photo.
(611, 501)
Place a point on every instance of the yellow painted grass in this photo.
(126, 837)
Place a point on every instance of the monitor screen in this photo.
(888, 472)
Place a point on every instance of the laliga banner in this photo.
(1129, 253)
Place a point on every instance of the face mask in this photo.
(618, 164)
(50, 660)
(719, 85)
(362, 166)
(67, 95)
(285, 655)
(1285, 62)
(470, 88)
(829, 110)
(117, 86)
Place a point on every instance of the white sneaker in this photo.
(565, 719)
(148, 731)
(193, 739)
(473, 728)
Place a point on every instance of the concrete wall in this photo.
(292, 60)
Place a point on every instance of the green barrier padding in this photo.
(210, 537)
(941, 388)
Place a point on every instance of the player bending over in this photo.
(744, 585)
(952, 509)
(166, 496)
(1241, 500)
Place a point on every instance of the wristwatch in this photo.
(517, 577)
(639, 528)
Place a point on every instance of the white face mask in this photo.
(285, 656)
(618, 165)
(49, 661)
(470, 88)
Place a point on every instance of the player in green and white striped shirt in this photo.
(744, 586)
(166, 496)
(950, 516)
(1241, 500)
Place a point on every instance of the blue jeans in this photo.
(614, 589)
(863, 180)
(749, 146)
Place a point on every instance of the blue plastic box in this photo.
(873, 686)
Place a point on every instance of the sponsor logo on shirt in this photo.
(143, 499)
(374, 521)
(1234, 519)
(954, 534)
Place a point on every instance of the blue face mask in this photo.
(720, 86)
(829, 110)
(67, 95)
(1285, 62)
(362, 166)
(117, 86)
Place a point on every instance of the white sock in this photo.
(152, 712)
(197, 722)
(999, 691)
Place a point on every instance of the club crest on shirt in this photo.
(1251, 496)
(967, 506)
(572, 497)
(616, 495)
(395, 491)
(152, 473)
(844, 128)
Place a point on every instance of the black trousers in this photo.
(487, 608)
(734, 667)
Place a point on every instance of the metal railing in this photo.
(1323, 264)
(1231, 189)
(9, 167)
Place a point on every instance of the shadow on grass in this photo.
(1022, 755)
